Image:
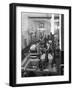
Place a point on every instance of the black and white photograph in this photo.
(42, 49)
(40, 44)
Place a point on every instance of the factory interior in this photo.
(42, 44)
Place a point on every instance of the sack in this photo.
(42, 57)
(50, 57)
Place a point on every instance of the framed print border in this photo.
(12, 64)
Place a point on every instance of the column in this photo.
(52, 24)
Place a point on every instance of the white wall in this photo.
(4, 45)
